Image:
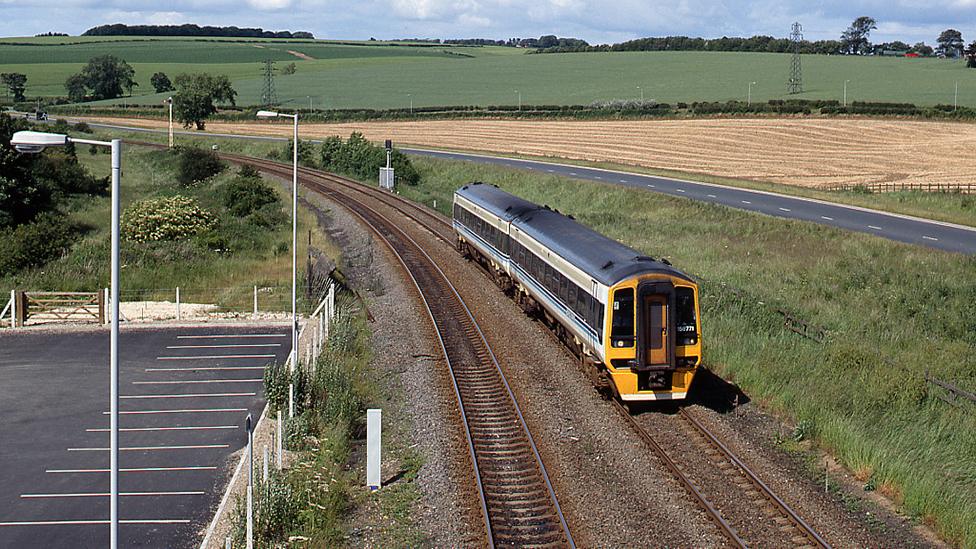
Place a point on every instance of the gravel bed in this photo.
(846, 517)
(419, 408)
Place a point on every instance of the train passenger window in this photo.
(685, 317)
(622, 329)
(571, 297)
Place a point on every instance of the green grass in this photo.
(893, 311)
(351, 75)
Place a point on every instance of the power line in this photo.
(795, 84)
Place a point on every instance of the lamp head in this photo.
(34, 142)
(267, 114)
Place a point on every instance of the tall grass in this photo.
(893, 311)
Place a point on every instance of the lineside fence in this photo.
(26, 308)
(875, 188)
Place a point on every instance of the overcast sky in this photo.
(595, 21)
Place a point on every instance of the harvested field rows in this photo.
(803, 152)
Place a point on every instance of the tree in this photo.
(77, 90)
(160, 82)
(290, 68)
(16, 83)
(922, 48)
(106, 76)
(970, 54)
(950, 43)
(855, 38)
(196, 95)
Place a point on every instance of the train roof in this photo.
(602, 258)
(504, 205)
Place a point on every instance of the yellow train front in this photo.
(636, 317)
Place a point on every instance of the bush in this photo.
(248, 194)
(197, 165)
(35, 243)
(172, 218)
(357, 157)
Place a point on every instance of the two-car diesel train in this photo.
(636, 317)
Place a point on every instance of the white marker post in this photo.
(291, 401)
(250, 481)
(255, 303)
(178, 315)
(281, 436)
(13, 308)
(374, 420)
(265, 464)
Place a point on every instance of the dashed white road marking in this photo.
(551, 171)
(207, 369)
(190, 395)
(106, 494)
(932, 238)
(746, 202)
(651, 186)
(197, 381)
(136, 469)
(232, 346)
(150, 448)
(573, 173)
(211, 357)
(597, 177)
(785, 210)
(827, 218)
(623, 181)
(874, 227)
(712, 196)
(223, 336)
(140, 429)
(182, 411)
(84, 522)
(680, 190)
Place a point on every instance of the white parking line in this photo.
(785, 210)
(135, 469)
(232, 346)
(875, 228)
(191, 395)
(932, 238)
(184, 411)
(84, 522)
(211, 357)
(197, 381)
(106, 494)
(137, 429)
(208, 369)
(220, 336)
(746, 202)
(146, 448)
(827, 218)
(712, 196)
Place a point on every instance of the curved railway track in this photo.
(517, 499)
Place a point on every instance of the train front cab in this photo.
(653, 338)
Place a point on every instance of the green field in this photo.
(378, 75)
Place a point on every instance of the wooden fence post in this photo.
(22, 311)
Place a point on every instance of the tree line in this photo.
(120, 29)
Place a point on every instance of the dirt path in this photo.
(803, 152)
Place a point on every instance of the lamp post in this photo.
(641, 90)
(845, 92)
(169, 101)
(33, 143)
(519, 94)
(749, 98)
(294, 232)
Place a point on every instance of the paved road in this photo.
(184, 395)
(913, 230)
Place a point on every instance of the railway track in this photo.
(517, 499)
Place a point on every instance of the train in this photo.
(635, 318)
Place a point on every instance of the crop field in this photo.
(811, 153)
(380, 75)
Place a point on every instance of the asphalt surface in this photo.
(924, 232)
(184, 394)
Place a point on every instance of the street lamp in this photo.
(169, 101)
(294, 232)
(519, 99)
(641, 90)
(749, 100)
(845, 92)
(33, 143)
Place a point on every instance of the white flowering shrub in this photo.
(169, 218)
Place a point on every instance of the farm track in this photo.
(518, 502)
(756, 515)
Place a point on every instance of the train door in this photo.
(656, 334)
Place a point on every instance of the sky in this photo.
(597, 22)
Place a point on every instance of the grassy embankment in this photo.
(219, 267)
(378, 76)
(893, 312)
(315, 495)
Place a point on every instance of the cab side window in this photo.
(622, 327)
